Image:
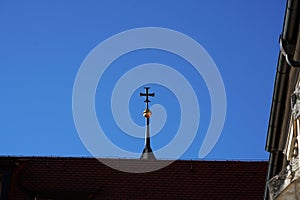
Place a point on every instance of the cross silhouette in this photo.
(147, 94)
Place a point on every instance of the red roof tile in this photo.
(181, 180)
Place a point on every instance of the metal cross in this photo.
(147, 94)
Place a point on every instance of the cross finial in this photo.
(147, 95)
(147, 152)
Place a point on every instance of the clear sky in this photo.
(43, 44)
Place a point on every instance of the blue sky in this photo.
(43, 44)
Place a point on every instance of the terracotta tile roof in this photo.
(87, 178)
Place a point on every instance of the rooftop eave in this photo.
(285, 81)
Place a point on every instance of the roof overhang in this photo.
(285, 81)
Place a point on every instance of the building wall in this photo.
(291, 192)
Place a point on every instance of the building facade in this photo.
(284, 125)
